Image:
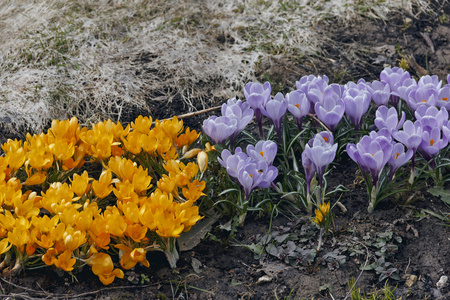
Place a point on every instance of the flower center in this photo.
(445, 98)
(297, 105)
(325, 139)
(431, 142)
(423, 101)
(396, 155)
(262, 153)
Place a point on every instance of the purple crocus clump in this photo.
(331, 110)
(250, 173)
(356, 104)
(219, 128)
(257, 95)
(275, 110)
(298, 106)
(388, 118)
(241, 111)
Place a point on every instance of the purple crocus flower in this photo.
(219, 128)
(257, 96)
(331, 111)
(303, 84)
(256, 175)
(427, 79)
(394, 77)
(241, 111)
(233, 162)
(356, 104)
(444, 97)
(263, 151)
(388, 118)
(310, 171)
(275, 110)
(316, 89)
(431, 116)
(398, 158)
(446, 130)
(379, 91)
(298, 106)
(410, 136)
(422, 95)
(404, 89)
(321, 153)
(432, 142)
(372, 152)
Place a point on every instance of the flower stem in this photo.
(319, 244)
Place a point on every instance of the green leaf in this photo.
(439, 191)
(192, 238)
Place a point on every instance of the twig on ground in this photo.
(66, 296)
(195, 113)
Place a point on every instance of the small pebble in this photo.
(442, 282)
(412, 279)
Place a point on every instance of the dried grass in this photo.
(93, 59)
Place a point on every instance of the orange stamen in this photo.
(262, 153)
(431, 142)
(297, 105)
(445, 98)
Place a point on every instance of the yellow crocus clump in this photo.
(75, 195)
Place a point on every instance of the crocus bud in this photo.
(191, 153)
(202, 161)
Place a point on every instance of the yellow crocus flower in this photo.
(4, 246)
(168, 226)
(172, 127)
(142, 124)
(65, 261)
(49, 258)
(102, 188)
(62, 149)
(124, 168)
(19, 236)
(102, 266)
(130, 257)
(116, 224)
(136, 232)
(321, 213)
(141, 181)
(133, 142)
(80, 183)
